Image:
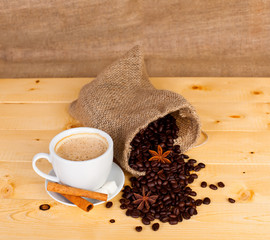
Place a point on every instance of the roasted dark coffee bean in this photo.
(201, 165)
(231, 200)
(155, 226)
(194, 175)
(164, 219)
(135, 213)
(186, 215)
(221, 184)
(213, 187)
(197, 168)
(192, 161)
(185, 156)
(150, 216)
(191, 211)
(112, 221)
(192, 193)
(182, 204)
(203, 184)
(173, 221)
(145, 221)
(109, 204)
(44, 207)
(128, 212)
(157, 215)
(190, 180)
(123, 206)
(122, 200)
(198, 202)
(138, 228)
(206, 201)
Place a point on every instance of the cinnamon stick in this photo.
(62, 189)
(80, 202)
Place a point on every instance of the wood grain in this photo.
(242, 182)
(223, 147)
(65, 90)
(234, 112)
(216, 221)
(80, 38)
(215, 116)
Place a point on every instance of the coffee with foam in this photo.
(81, 146)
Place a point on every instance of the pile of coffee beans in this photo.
(166, 182)
(161, 132)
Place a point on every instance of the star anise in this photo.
(159, 155)
(144, 200)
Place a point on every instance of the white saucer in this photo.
(116, 175)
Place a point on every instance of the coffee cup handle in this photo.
(40, 173)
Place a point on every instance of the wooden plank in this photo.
(214, 116)
(248, 218)
(24, 183)
(194, 89)
(215, 221)
(232, 147)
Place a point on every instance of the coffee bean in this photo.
(197, 168)
(221, 184)
(191, 211)
(206, 201)
(44, 207)
(231, 200)
(186, 215)
(138, 228)
(112, 221)
(213, 187)
(173, 221)
(109, 204)
(164, 219)
(123, 206)
(135, 213)
(194, 175)
(128, 212)
(145, 221)
(198, 202)
(201, 165)
(155, 226)
(192, 193)
(150, 216)
(203, 184)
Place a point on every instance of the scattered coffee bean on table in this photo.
(206, 201)
(213, 187)
(221, 184)
(231, 200)
(155, 226)
(198, 202)
(44, 207)
(138, 228)
(112, 221)
(204, 184)
(109, 204)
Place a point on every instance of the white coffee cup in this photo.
(88, 174)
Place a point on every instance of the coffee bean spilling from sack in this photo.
(160, 132)
(163, 192)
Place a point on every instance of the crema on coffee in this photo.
(81, 146)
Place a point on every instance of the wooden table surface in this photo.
(235, 112)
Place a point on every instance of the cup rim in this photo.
(79, 130)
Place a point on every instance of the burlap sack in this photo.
(121, 101)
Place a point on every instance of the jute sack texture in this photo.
(121, 101)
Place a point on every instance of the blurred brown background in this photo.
(78, 38)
